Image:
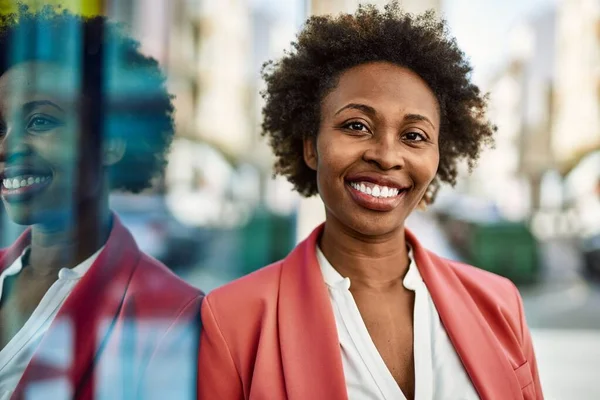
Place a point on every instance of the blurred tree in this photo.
(85, 7)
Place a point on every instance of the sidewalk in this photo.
(569, 363)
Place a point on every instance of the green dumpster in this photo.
(507, 249)
(266, 238)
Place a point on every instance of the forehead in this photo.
(36, 81)
(384, 84)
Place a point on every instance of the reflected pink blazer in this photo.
(128, 330)
(272, 334)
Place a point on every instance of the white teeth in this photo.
(375, 190)
(23, 181)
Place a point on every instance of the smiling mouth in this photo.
(24, 186)
(375, 197)
(376, 191)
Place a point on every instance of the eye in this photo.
(414, 136)
(356, 126)
(40, 123)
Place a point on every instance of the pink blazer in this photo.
(128, 330)
(272, 334)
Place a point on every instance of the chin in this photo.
(27, 214)
(20, 215)
(376, 226)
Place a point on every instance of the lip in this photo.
(27, 192)
(377, 179)
(375, 203)
(23, 169)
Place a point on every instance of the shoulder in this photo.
(483, 283)
(160, 290)
(256, 291)
(497, 298)
(237, 317)
(242, 309)
(486, 285)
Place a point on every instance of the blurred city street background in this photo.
(530, 211)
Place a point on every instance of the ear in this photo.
(429, 195)
(310, 153)
(113, 152)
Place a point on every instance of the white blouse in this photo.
(439, 373)
(17, 354)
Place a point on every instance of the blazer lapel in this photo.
(483, 358)
(10, 254)
(310, 350)
(75, 338)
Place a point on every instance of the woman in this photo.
(84, 314)
(370, 111)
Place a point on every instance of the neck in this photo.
(374, 262)
(69, 242)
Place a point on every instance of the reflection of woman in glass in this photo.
(83, 312)
(370, 111)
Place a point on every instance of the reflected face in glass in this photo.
(377, 147)
(39, 141)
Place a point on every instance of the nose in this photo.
(385, 151)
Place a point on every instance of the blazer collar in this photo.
(309, 340)
(9, 255)
(85, 320)
(310, 350)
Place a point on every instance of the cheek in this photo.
(62, 158)
(65, 162)
(425, 167)
(332, 162)
(435, 163)
(337, 155)
(58, 146)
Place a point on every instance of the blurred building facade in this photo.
(546, 103)
(521, 100)
(212, 52)
(576, 111)
(576, 124)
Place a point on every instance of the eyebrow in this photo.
(30, 106)
(418, 117)
(361, 107)
(371, 112)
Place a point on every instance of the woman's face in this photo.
(377, 147)
(40, 168)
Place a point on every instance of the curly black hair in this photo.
(125, 91)
(328, 45)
